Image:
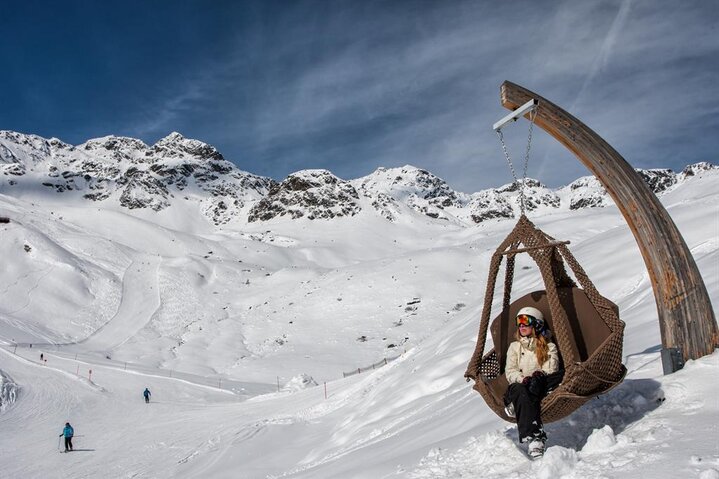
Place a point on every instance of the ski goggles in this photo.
(526, 320)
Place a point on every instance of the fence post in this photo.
(325, 389)
(278, 384)
(358, 371)
(89, 375)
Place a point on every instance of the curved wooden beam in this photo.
(686, 318)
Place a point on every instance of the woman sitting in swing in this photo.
(532, 371)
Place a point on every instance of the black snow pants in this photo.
(68, 443)
(527, 404)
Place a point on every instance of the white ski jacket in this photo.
(522, 360)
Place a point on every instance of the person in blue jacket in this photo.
(68, 432)
(147, 395)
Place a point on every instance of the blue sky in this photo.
(353, 85)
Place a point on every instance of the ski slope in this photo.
(322, 288)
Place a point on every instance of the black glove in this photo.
(526, 379)
(538, 385)
(538, 373)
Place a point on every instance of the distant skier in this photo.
(41, 357)
(68, 432)
(147, 395)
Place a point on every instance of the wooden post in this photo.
(687, 323)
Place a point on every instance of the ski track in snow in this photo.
(140, 299)
(28, 294)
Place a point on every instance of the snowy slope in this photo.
(213, 319)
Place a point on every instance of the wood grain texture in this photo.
(686, 317)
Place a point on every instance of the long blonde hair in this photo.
(541, 347)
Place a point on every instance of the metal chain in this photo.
(506, 154)
(520, 184)
(532, 116)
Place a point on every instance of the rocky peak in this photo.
(170, 139)
(174, 145)
(313, 194)
(587, 192)
(24, 149)
(658, 180)
(406, 181)
(421, 190)
(696, 169)
(107, 145)
(488, 205)
(514, 186)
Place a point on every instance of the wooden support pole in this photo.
(686, 319)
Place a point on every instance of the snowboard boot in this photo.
(535, 449)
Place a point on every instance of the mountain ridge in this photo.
(127, 172)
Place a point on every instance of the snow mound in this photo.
(8, 391)
(299, 383)
(600, 440)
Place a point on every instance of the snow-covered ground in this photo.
(243, 333)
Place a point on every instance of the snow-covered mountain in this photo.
(128, 173)
(252, 334)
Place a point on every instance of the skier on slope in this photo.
(147, 395)
(68, 432)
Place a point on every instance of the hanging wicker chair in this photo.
(586, 326)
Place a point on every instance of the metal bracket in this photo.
(514, 116)
(672, 360)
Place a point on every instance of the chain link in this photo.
(520, 184)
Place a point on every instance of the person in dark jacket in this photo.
(147, 395)
(68, 432)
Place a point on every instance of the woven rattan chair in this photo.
(586, 326)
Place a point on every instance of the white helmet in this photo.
(534, 312)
